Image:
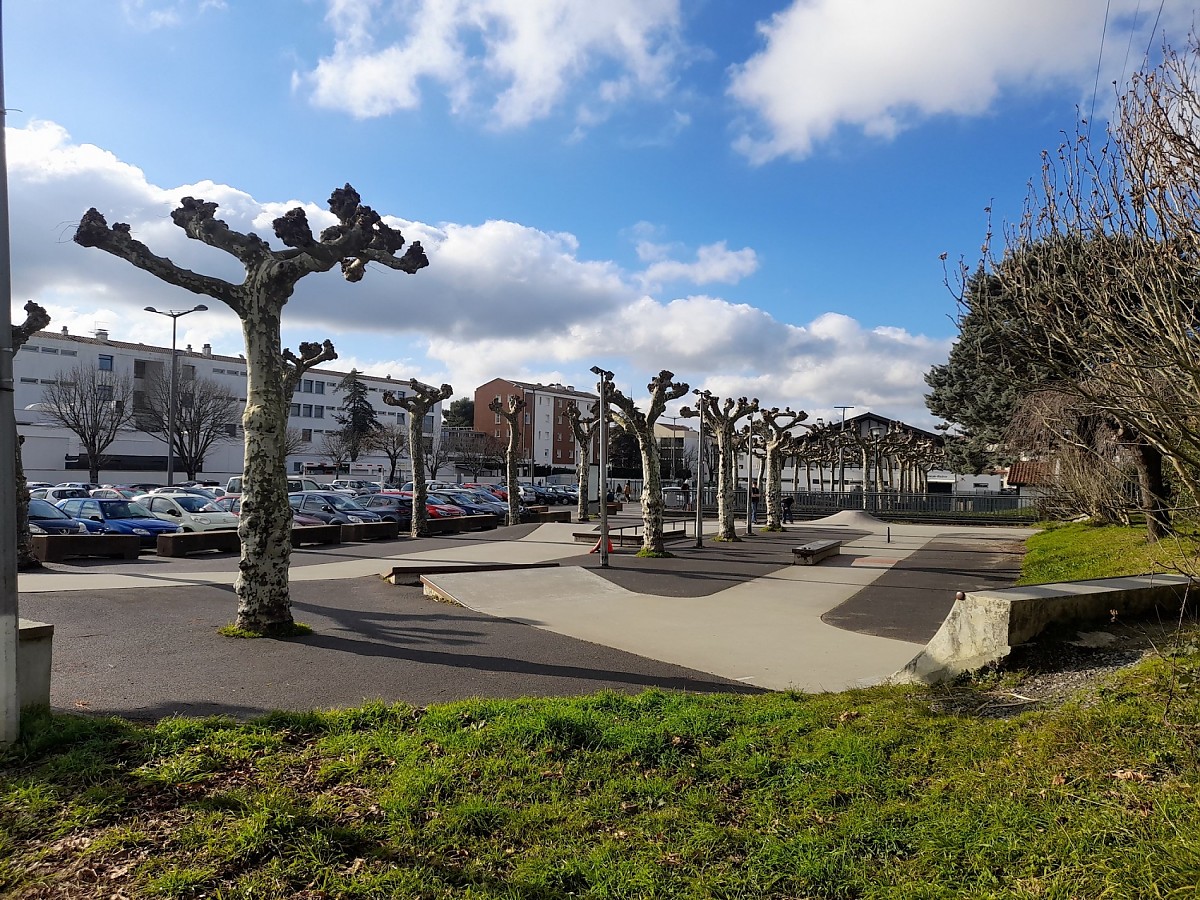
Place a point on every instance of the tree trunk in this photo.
(652, 498)
(511, 463)
(1152, 487)
(266, 518)
(774, 468)
(25, 558)
(581, 473)
(420, 493)
(726, 526)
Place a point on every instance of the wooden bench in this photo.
(316, 534)
(181, 543)
(813, 552)
(57, 547)
(371, 531)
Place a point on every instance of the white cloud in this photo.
(525, 58)
(152, 14)
(714, 264)
(499, 298)
(880, 66)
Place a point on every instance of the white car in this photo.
(190, 512)
(58, 493)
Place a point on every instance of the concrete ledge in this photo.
(562, 514)
(437, 592)
(813, 552)
(57, 547)
(628, 535)
(370, 531)
(181, 543)
(984, 626)
(414, 574)
(35, 655)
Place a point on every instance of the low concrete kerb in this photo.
(414, 574)
(983, 627)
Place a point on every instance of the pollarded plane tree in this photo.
(775, 428)
(584, 432)
(641, 424)
(418, 405)
(359, 237)
(511, 412)
(722, 417)
(36, 318)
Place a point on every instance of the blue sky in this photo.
(752, 193)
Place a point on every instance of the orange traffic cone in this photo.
(596, 549)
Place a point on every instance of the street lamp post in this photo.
(605, 378)
(699, 485)
(174, 314)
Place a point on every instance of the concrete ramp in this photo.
(852, 518)
(984, 626)
(766, 632)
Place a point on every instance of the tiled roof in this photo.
(1028, 473)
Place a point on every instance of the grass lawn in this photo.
(1080, 550)
(862, 794)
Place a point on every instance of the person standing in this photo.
(787, 509)
(687, 495)
(755, 496)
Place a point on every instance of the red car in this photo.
(432, 509)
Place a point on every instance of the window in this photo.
(55, 350)
(497, 434)
(139, 368)
(294, 409)
(104, 391)
(217, 371)
(231, 429)
(306, 410)
(497, 418)
(319, 387)
(526, 418)
(428, 425)
(558, 454)
(29, 381)
(70, 353)
(103, 363)
(32, 348)
(188, 373)
(318, 412)
(306, 435)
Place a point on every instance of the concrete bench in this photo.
(562, 514)
(814, 551)
(371, 531)
(181, 543)
(984, 626)
(57, 547)
(316, 534)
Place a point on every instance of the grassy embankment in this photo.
(864, 794)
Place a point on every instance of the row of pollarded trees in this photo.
(1081, 320)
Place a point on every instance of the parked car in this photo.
(468, 505)
(357, 486)
(34, 485)
(55, 494)
(85, 485)
(390, 505)
(119, 517)
(234, 505)
(115, 493)
(434, 509)
(46, 518)
(189, 511)
(145, 487)
(177, 490)
(331, 507)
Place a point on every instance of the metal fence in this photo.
(893, 505)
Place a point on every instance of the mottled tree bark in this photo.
(584, 431)
(662, 391)
(418, 404)
(512, 415)
(36, 318)
(722, 417)
(359, 237)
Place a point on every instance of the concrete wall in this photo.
(35, 652)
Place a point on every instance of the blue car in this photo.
(46, 518)
(119, 517)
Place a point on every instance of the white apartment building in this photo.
(52, 453)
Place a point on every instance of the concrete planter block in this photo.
(35, 654)
(984, 626)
